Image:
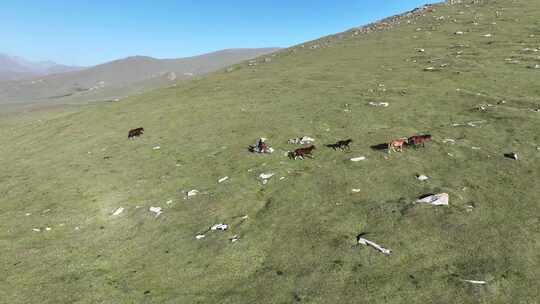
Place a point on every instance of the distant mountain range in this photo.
(17, 68)
(110, 81)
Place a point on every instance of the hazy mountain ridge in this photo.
(120, 78)
(14, 68)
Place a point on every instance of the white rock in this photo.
(487, 35)
(156, 210)
(512, 155)
(192, 193)
(357, 159)
(379, 104)
(245, 217)
(48, 229)
(459, 33)
(366, 242)
(356, 190)
(169, 202)
(200, 236)
(118, 211)
(266, 176)
(304, 140)
(221, 227)
(221, 180)
(36, 230)
(422, 177)
(440, 199)
(475, 282)
(234, 238)
(156, 148)
(28, 214)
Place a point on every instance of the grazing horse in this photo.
(302, 152)
(342, 145)
(419, 140)
(396, 145)
(135, 132)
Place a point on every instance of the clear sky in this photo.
(89, 32)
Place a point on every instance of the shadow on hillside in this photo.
(380, 147)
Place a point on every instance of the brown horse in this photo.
(419, 140)
(396, 145)
(135, 132)
(302, 152)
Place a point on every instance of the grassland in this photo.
(70, 170)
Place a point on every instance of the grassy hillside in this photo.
(70, 171)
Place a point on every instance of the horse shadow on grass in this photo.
(380, 147)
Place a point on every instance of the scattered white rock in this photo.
(36, 230)
(28, 214)
(77, 228)
(200, 236)
(245, 217)
(156, 147)
(422, 177)
(192, 193)
(118, 211)
(512, 155)
(156, 210)
(356, 190)
(487, 35)
(264, 177)
(282, 178)
(475, 282)
(366, 242)
(169, 202)
(234, 238)
(459, 33)
(440, 199)
(449, 140)
(221, 227)
(379, 104)
(304, 140)
(48, 228)
(357, 159)
(475, 123)
(221, 180)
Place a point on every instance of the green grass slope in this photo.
(69, 171)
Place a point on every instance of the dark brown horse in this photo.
(135, 132)
(419, 140)
(342, 145)
(302, 152)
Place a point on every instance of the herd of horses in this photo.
(395, 145)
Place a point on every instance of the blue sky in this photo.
(88, 32)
